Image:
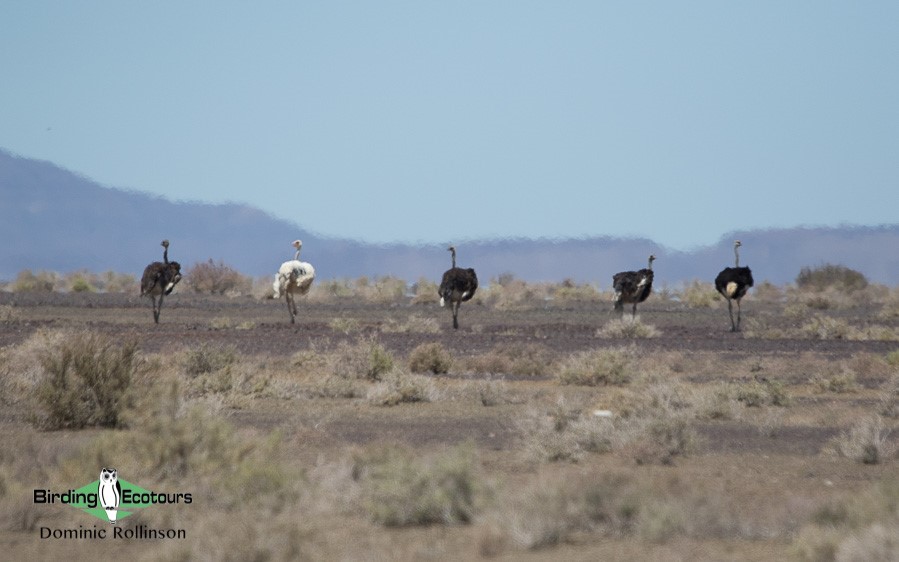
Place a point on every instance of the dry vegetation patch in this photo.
(673, 445)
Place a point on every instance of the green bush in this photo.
(86, 382)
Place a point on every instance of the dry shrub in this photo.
(492, 392)
(718, 402)
(829, 328)
(29, 282)
(412, 325)
(549, 513)
(862, 528)
(217, 279)
(79, 282)
(520, 359)
(873, 543)
(599, 367)
(425, 292)
(401, 488)
(890, 308)
(627, 328)
(9, 314)
(867, 441)
(508, 293)
(765, 328)
(112, 282)
(564, 509)
(398, 387)
(663, 437)
(763, 392)
(346, 326)
(86, 382)
(839, 382)
(366, 359)
(208, 358)
(174, 442)
(569, 292)
(768, 292)
(383, 290)
(698, 294)
(430, 358)
(826, 328)
(829, 276)
(889, 398)
(565, 433)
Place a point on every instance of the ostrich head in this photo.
(737, 245)
(298, 244)
(652, 258)
(452, 249)
(165, 244)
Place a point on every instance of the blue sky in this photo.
(444, 121)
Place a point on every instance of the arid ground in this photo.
(542, 429)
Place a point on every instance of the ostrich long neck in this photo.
(165, 255)
(650, 264)
(297, 255)
(736, 256)
(453, 252)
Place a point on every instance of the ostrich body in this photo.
(632, 287)
(458, 285)
(159, 279)
(294, 277)
(733, 283)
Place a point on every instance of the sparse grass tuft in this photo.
(413, 325)
(627, 327)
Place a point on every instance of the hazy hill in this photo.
(56, 220)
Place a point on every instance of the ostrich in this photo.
(458, 285)
(633, 287)
(159, 279)
(294, 277)
(732, 283)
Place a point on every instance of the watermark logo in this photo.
(108, 498)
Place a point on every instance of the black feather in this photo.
(742, 276)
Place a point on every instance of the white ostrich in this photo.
(294, 278)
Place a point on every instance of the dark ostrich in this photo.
(159, 279)
(733, 283)
(632, 287)
(458, 285)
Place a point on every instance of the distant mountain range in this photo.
(54, 219)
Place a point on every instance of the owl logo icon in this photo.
(110, 492)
